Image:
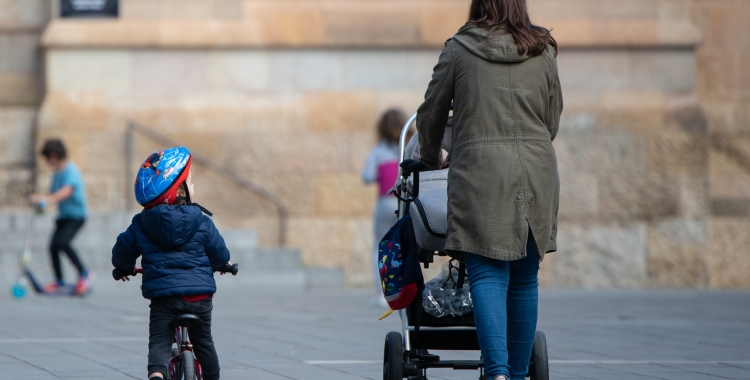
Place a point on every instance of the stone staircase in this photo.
(260, 267)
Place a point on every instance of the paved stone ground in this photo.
(336, 335)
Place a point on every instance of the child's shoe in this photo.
(53, 286)
(84, 283)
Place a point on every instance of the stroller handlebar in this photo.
(118, 274)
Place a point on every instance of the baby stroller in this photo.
(424, 197)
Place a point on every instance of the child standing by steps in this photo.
(180, 248)
(381, 166)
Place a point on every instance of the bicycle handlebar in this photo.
(118, 274)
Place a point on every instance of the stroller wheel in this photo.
(539, 365)
(393, 357)
(18, 291)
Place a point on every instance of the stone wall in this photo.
(723, 86)
(287, 93)
(21, 88)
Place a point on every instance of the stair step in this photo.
(260, 267)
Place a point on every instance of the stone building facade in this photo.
(21, 92)
(653, 150)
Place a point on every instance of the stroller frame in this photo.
(405, 353)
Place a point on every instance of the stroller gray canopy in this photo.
(429, 211)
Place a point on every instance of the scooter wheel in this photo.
(18, 291)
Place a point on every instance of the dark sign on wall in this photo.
(88, 8)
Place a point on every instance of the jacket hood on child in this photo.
(171, 226)
(179, 247)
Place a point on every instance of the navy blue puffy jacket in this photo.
(180, 248)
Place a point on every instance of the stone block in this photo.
(668, 71)
(717, 73)
(676, 253)
(239, 240)
(549, 9)
(730, 207)
(201, 9)
(744, 75)
(359, 262)
(579, 195)
(232, 114)
(383, 23)
(629, 198)
(633, 111)
(224, 197)
(617, 9)
(64, 113)
(594, 71)
(547, 270)
(439, 21)
(19, 89)
(727, 258)
(684, 113)
(727, 25)
(25, 13)
(169, 72)
(19, 53)
(15, 186)
(291, 70)
(340, 111)
(694, 196)
(676, 152)
(604, 256)
(323, 241)
(727, 178)
(720, 115)
(324, 278)
(99, 70)
(17, 136)
(389, 70)
(679, 9)
(343, 195)
(242, 71)
(287, 22)
(602, 153)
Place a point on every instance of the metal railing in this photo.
(199, 159)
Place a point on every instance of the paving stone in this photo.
(285, 334)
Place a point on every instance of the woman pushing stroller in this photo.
(500, 71)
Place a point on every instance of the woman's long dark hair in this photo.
(531, 39)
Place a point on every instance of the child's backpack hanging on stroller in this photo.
(398, 264)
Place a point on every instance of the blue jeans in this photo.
(505, 295)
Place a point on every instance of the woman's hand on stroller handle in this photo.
(410, 166)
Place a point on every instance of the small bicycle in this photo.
(183, 365)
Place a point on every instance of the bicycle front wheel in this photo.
(187, 366)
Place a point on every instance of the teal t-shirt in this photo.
(75, 206)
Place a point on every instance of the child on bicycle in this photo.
(180, 248)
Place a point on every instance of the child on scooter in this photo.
(180, 248)
(68, 191)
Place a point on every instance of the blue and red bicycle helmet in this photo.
(161, 175)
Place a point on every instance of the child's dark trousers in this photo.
(161, 335)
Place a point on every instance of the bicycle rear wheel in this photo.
(187, 366)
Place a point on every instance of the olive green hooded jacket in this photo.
(503, 175)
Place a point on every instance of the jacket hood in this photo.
(500, 47)
(170, 226)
